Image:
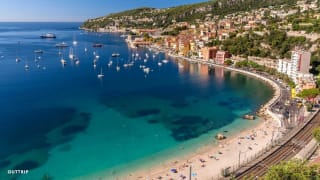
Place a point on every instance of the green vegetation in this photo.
(294, 169)
(309, 94)
(316, 134)
(275, 44)
(256, 67)
(175, 31)
(228, 62)
(161, 18)
(305, 22)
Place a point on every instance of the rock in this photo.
(248, 117)
(220, 136)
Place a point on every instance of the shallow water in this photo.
(67, 123)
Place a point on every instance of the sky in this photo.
(74, 10)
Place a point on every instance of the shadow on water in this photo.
(28, 141)
(177, 115)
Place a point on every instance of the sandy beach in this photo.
(229, 153)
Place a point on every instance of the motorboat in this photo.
(165, 61)
(38, 51)
(48, 35)
(115, 54)
(62, 45)
(100, 75)
(97, 45)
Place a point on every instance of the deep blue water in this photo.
(50, 106)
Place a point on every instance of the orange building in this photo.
(209, 52)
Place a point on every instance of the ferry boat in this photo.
(48, 35)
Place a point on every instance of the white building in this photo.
(285, 66)
(298, 64)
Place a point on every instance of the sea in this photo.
(62, 121)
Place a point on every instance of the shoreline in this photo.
(227, 152)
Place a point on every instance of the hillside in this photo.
(146, 17)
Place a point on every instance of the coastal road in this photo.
(284, 152)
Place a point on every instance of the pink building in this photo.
(221, 56)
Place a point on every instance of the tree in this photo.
(316, 134)
(228, 62)
(309, 93)
(293, 169)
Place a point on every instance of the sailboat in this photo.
(71, 55)
(17, 52)
(63, 61)
(74, 42)
(100, 75)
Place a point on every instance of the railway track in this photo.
(284, 152)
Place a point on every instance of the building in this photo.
(298, 64)
(285, 66)
(221, 56)
(209, 52)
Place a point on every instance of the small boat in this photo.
(146, 70)
(48, 35)
(38, 51)
(26, 67)
(165, 61)
(62, 45)
(18, 59)
(100, 75)
(110, 63)
(97, 45)
(115, 54)
(159, 64)
(118, 68)
(63, 62)
(76, 61)
(71, 55)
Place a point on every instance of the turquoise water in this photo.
(65, 122)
